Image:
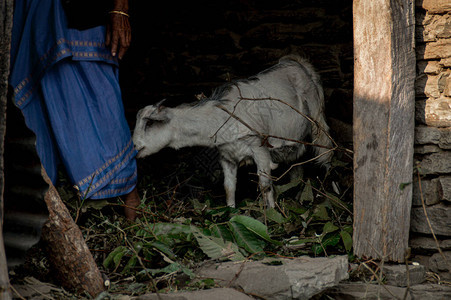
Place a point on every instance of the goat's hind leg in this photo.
(264, 164)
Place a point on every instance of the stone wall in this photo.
(433, 136)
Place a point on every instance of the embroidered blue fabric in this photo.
(66, 84)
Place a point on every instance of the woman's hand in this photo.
(118, 34)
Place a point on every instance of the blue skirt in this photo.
(67, 85)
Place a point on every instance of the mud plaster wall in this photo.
(433, 136)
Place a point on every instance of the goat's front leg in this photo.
(230, 170)
(262, 159)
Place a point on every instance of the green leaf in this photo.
(221, 231)
(329, 227)
(144, 233)
(331, 240)
(199, 207)
(347, 240)
(168, 228)
(223, 211)
(255, 227)
(307, 193)
(403, 185)
(163, 248)
(317, 249)
(297, 210)
(215, 247)
(302, 241)
(188, 272)
(115, 256)
(337, 202)
(96, 204)
(280, 189)
(130, 264)
(206, 283)
(245, 238)
(348, 228)
(275, 216)
(320, 213)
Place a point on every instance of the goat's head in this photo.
(152, 131)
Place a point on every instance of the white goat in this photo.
(261, 118)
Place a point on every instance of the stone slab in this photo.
(299, 278)
(357, 291)
(210, 294)
(430, 291)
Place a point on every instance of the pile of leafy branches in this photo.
(178, 229)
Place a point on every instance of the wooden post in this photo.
(384, 100)
(6, 9)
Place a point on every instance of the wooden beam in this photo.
(384, 101)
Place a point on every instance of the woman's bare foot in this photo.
(132, 201)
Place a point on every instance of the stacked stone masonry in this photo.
(433, 137)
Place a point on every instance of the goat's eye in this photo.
(149, 123)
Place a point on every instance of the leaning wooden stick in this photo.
(68, 253)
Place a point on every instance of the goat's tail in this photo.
(316, 107)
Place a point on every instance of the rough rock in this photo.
(211, 294)
(430, 85)
(396, 275)
(439, 216)
(439, 265)
(429, 189)
(445, 62)
(427, 135)
(434, 6)
(434, 191)
(430, 291)
(357, 291)
(434, 50)
(447, 88)
(429, 67)
(299, 278)
(427, 86)
(436, 163)
(433, 135)
(445, 188)
(426, 149)
(434, 111)
(428, 244)
(434, 27)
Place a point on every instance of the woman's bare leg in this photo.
(132, 201)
